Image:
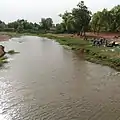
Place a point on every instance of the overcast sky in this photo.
(34, 10)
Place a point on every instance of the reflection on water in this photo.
(47, 82)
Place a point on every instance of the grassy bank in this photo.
(100, 55)
(10, 34)
(12, 52)
(3, 60)
(16, 34)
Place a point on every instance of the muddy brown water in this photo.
(47, 82)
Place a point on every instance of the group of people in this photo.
(104, 42)
(100, 42)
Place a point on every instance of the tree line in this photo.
(23, 26)
(80, 20)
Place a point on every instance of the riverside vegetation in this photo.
(101, 55)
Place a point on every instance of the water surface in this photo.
(47, 82)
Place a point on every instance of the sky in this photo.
(34, 10)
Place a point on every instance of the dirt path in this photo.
(109, 36)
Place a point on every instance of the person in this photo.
(106, 42)
(85, 38)
(94, 42)
(113, 44)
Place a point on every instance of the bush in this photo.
(3, 60)
(11, 52)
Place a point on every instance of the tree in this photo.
(82, 17)
(2, 25)
(68, 21)
(60, 28)
(14, 25)
(46, 24)
(20, 28)
(49, 23)
(97, 21)
(115, 12)
(24, 26)
(106, 21)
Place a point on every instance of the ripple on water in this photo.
(47, 82)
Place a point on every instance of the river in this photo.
(47, 82)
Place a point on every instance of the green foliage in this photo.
(82, 17)
(3, 60)
(78, 20)
(100, 55)
(106, 21)
(23, 26)
(46, 24)
(11, 52)
(2, 25)
(81, 20)
(68, 22)
(60, 28)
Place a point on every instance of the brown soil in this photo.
(108, 36)
(2, 52)
(104, 35)
(4, 38)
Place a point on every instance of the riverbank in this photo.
(100, 55)
(8, 35)
(5, 36)
(3, 60)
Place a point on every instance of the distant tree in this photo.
(2, 25)
(49, 23)
(46, 24)
(79, 20)
(14, 25)
(60, 28)
(20, 28)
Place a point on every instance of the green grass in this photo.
(11, 52)
(16, 34)
(3, 60)
(11, 34)
(99, 55)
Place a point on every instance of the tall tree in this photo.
(106, 21)
(82, 17)
(97, 21)
(116, 18)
